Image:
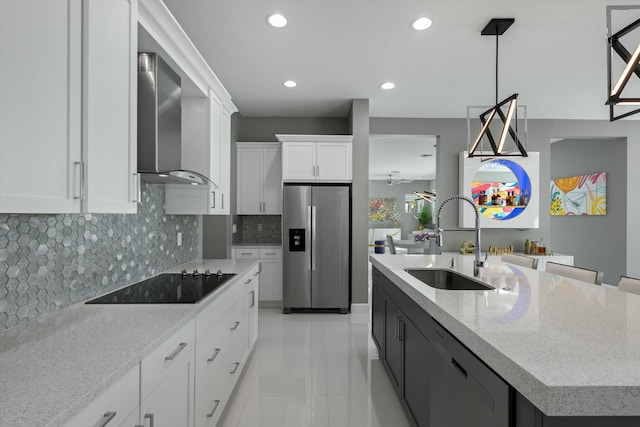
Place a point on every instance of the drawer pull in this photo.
(235, 326)
(253, 298)
(458, 367)
(213, 411)
(237, 365)
(108, 416)
(150, 417)
(175, 352)
(246, 253)
(214, 355)
(247, 282)
(270, 253)
(256, 273)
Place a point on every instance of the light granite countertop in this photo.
(52, 367)
(570, 347)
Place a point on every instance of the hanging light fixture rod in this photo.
(497, 27)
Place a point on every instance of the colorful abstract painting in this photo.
(579, 195)
(383, 209)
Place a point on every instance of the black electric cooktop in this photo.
(169, 288)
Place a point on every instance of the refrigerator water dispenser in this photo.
(296, 240)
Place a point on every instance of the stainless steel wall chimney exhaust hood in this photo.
(159, 124)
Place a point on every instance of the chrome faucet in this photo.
(477, 263)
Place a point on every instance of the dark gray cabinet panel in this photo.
(377, 312)
(418, 359)
(393, 343)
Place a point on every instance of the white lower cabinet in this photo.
(116, 406)
(226, 331)
(187, 381)
(270, 270)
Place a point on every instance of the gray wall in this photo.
(406, 221)
(264, 129)
(359, 128)
(591, 238)
(452, 139)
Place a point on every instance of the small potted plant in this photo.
(425, 217)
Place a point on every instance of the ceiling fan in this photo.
(391, 181)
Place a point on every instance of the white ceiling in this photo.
(401, 156)
(554, 55)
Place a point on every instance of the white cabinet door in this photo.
(328, 161)
(206, 149)
(114, 407)
(169, 405)
(272, 181)
(271, 280)
(110, 43)
(299, 161)
(250, 181)
(252, 290)
(333, 161)
(224, 157)
(40, 106)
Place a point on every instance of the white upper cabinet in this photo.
(68, 106)
(313, 158)
(206, 115)
(109, 101)
(259, 178)
(206, 139)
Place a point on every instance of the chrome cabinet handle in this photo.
(175, 352)
(215, 406)
(81, 196)
(136, 182)
(318, 170)
(247, 282)
(213, 199)
(150, 418)
(222, 197)
(253, 298)
(106, 418)
(237, 365)
(214, 355)
(270, 253)
(256, 273)
(235, 326)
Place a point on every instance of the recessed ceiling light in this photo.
(277, 20)
(387, 85)
(290, 83)
(421, 23)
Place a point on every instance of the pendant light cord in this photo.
(497, 37)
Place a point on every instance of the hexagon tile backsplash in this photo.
(48, 262)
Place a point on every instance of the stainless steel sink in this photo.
(447, 279)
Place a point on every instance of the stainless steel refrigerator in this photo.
(316, 229)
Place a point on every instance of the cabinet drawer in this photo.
(247, 253)
(214, 310)
(114, 405)
(271, 253)
(171, 353)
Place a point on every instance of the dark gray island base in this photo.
(440, 383)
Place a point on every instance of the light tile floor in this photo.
(316, 370)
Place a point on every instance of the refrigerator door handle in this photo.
(313, 238)
(307, 244)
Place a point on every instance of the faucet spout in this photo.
(439, 240)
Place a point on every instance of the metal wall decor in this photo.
(624, 64)
(509, 119)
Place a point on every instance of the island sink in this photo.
(447, 279)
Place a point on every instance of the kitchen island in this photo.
(563, 352)
(54, 366)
